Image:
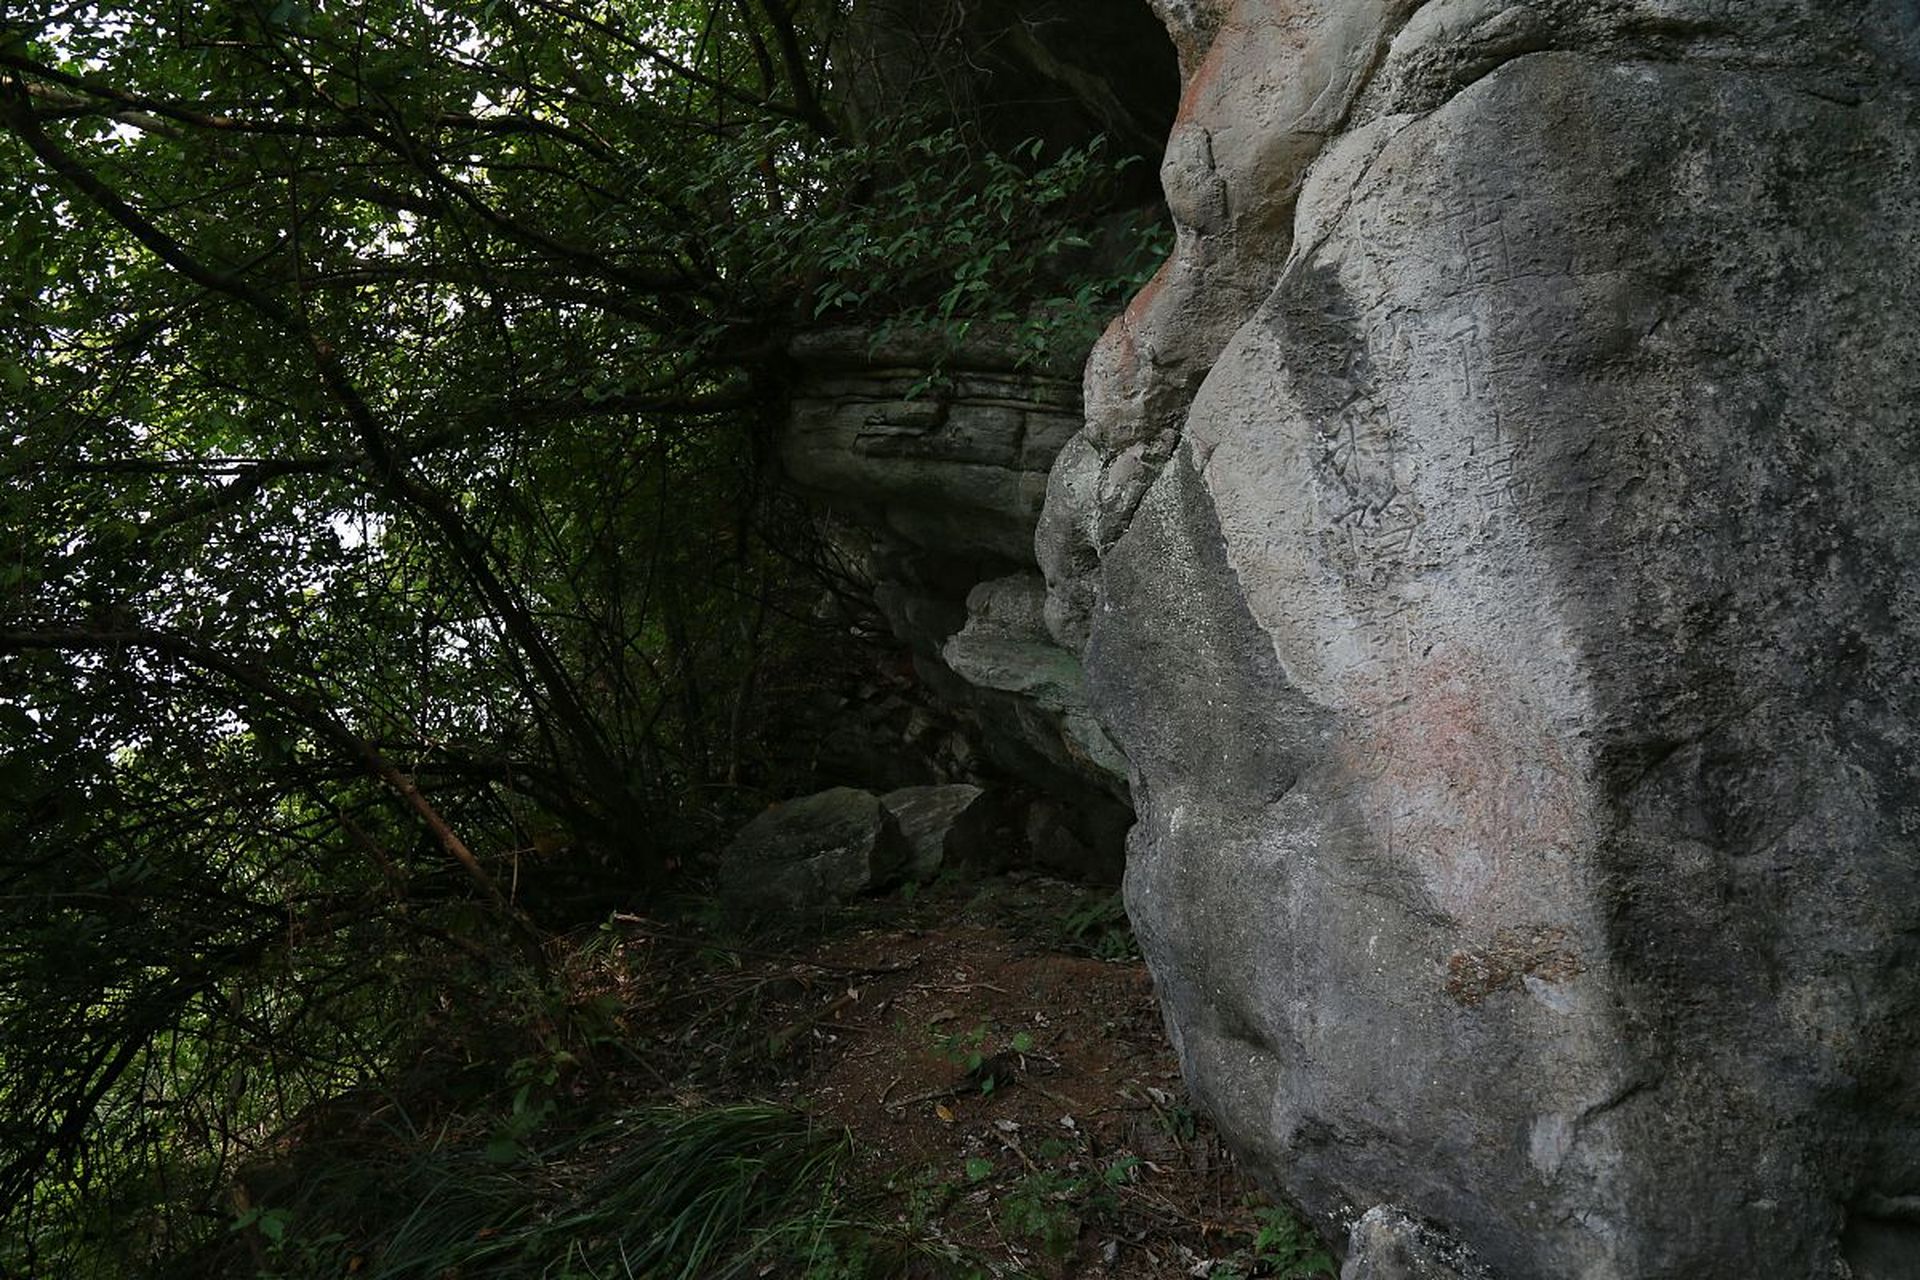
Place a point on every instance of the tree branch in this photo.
(389, 464)
(254, 678)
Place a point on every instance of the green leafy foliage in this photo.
(1288, 1247)
(964, 238)
(1284, 1247)
(388, 559)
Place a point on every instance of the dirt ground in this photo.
(996, 1052)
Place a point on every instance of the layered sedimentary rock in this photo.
(948, 452)
(935, 464)
(1492, 543)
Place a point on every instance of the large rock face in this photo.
(1493, 545)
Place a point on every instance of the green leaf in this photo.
(272, 1224)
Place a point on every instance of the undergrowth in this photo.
(709, 1192)
(1098, 926)
(509, 1144)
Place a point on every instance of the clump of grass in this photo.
(665, 1193)
(705, 1192)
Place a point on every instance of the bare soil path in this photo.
(995, 1050)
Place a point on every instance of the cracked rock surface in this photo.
(1491, 544)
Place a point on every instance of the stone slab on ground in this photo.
(805, 855)
(940, 825)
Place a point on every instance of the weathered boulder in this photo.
(943, 826)
(1386, 1244)
(1492, 545)
(1005, 646)
(812, 853)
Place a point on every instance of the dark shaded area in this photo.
(1062, 71)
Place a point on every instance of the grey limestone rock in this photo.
(813, 853)
(943, 825)
(959, 469)
(1005, 646)
(1492, 545)
(1387, 1244)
